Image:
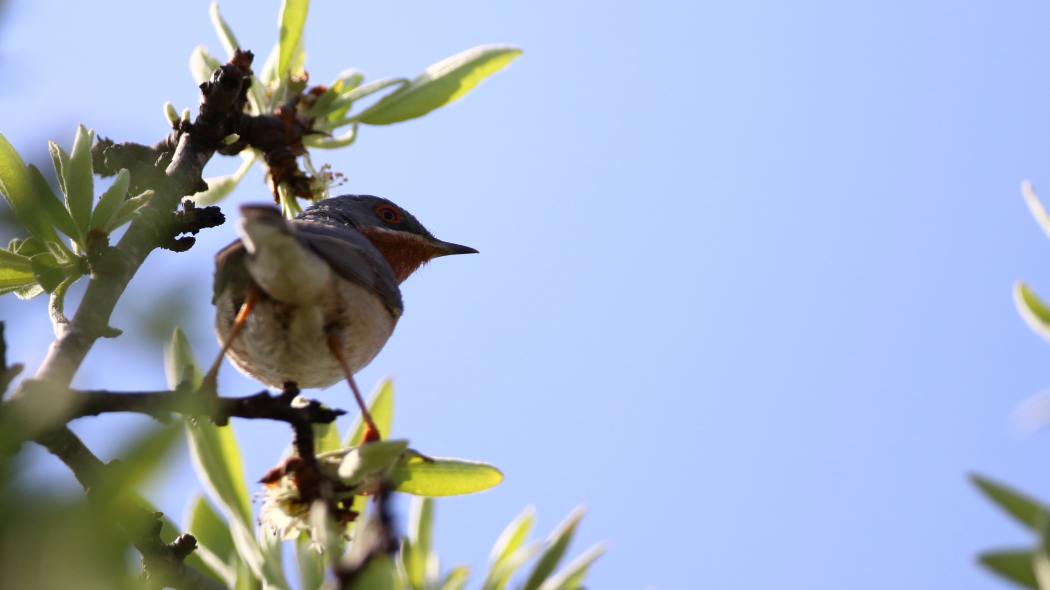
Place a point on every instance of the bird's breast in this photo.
(289, 342)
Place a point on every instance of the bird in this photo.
(310, 301)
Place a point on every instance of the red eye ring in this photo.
(388, 214)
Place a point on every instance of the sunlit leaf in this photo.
(220, 187)
(442, 477)
(418, 559)
(440, 84)
(293, 19)
(203, 64)
(331, 143)
(80, 183)
(1035, 206)
(555, 549)
(571, 578)
(509, 553)
(1014, 565)
(369, 460)
(1032, 309)
(17, 188)
(456, 579)
(381, 406)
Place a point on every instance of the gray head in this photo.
(396, 233)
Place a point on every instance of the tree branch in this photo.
(161, 404)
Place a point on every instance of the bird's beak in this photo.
(448, 248)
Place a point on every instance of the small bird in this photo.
(313, 300)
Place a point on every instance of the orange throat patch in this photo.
(405, 253)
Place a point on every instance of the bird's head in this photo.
(396, 233)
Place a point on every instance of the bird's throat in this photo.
(404, 253)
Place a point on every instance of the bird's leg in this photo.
(336, 346)
(211, 377)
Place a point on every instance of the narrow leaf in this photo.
(369, 460)
(440, 84)
(1035, 207)
(202, 64)
(571, 578)
(1024, 509)
(557, 544)
(377, 574)
(60, 162)
(210, 529)
(508, 554)
(443, 477)
(456, 579)
(129, 208)
(57, 213)
(1033, 311)
(226, 36)
(213, 448)
(1014, 565)
(80, 184)
(17, 187)
(110, 201)
(221, 187)
(381, 406)
(293, 19)
(310, 564)
(418, 560)
(322, 142)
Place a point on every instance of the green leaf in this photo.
(419, 562)
(508, 553)
(1014, 565)
(60, 162)
(339, 107)
(293, 19)
(442, 477)
(17, 187)
(377, 574)
(210, 529)
(440, 84)
(326, 437)
(571, 578)
(322, 142)
(110, 201)
(12, 279)
(80, 183)
(381, 406)
(12, 261)
(48, 272)
(1032, 309)
(58, 214)
(557, 544)
(456, 579)
(226, 36)
(370, 460)
(213, 448)
(129, 208)
(202, 64)
(310, 564)
(1024, 509)
(221, 187)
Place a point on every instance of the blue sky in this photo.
(744, 288)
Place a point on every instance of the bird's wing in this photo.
(353, 258)
(349, 253)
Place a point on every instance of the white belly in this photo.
(283, 342)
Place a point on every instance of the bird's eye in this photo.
(388, 214)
